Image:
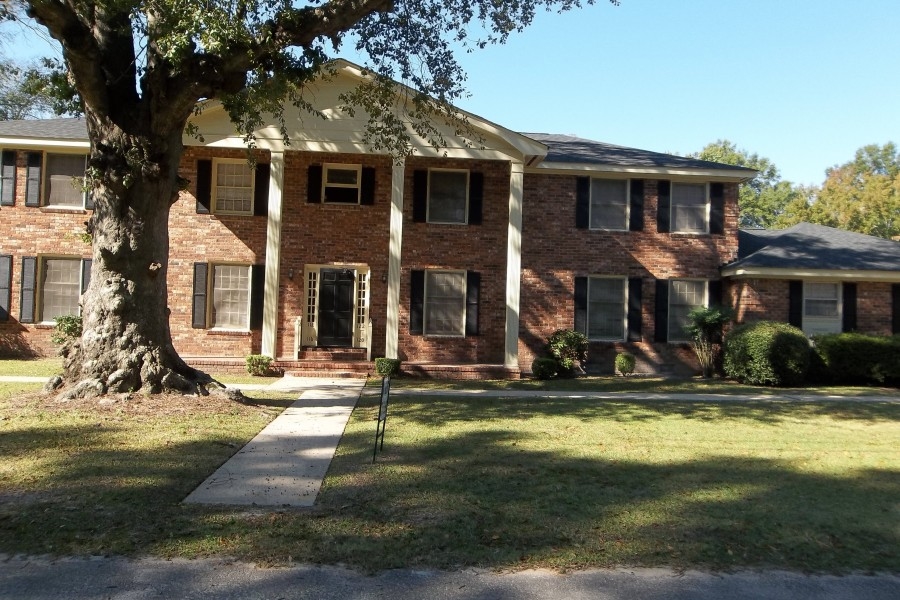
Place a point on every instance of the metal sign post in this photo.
(382, 416)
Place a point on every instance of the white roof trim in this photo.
(561, 168)
(27, 142)
(841, 274)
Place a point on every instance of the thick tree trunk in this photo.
(126, 343)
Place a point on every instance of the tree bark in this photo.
(126, 344)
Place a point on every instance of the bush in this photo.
(544, 368)
(705, 326)
(66, 330)
(387, 367)
(853, 358)
(259, 365)
(569, 348)
(625, 363)
(767, 353)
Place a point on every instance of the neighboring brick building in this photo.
(461, 260)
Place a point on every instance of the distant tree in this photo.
(764, 198)
(862, 195)
(24, 91)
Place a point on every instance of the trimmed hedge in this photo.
(767, 353)
(387, 367)
(544, 368)
(854, 358)
(625, 363)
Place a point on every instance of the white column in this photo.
(392, 342)
(514, 264)
(273, 254)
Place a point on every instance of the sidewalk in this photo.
(285, 464)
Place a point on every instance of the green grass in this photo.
(490, 482)
(31, 367)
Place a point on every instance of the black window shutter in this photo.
(89, 192)
(85, 273)
(795, 303)
(849, 314)
(895, 308)
(473, 291)
(664, 206)
(33, 180)
(714, 292)
(636, 211)
(198, 318)
(367, 187)
(314, 184)
(581, 300)
(420, 196)
(204, 186)
(5, 285)
(583, 202)
(8, 182)
(717, 208)
(635, 290)
(476, 197)
(261, 190)
(29, 279)
(257, 295)
(417, 303)
(661, 333)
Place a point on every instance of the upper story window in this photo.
(607, 306)
(232, 188)
(690, 208)
(341, 183)
(64, 180)
(448, 196)
(609, 204)
(684, 296)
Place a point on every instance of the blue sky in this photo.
(802, 82)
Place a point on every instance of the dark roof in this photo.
(807, 246)
(57, 129)
(570, 149)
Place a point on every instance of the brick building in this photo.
(460, 260)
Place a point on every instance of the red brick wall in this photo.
(873, 308)
(479, 248)
(554, 252)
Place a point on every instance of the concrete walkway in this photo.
(285, 464)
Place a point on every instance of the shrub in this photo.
(848, 358)
(705, 328)
(259, 365)
(569, 348)
(767, 353)
(66, 330)
(387, 367)
(544, 368)
(625, 363)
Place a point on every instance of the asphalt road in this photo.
(24, 578)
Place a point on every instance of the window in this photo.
(822, 308)
(65, 178)
(448, 196)
(607, 305)
(690, 208)
(684, 296)
(341, 184)
(230, 297)
(445, 303)
(232, 187)
(609, 204)
(60, 288)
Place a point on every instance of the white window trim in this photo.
(624, 335)
(465, 290)
(211, 290)
(214, 186)
(686, 338)
(45, 182)
(39, 292)
(341, 167)
(428, 197)
(625, 226)
(672, 209)
(808, 320)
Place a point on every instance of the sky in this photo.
(804, 83)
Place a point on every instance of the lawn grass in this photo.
(492, 482)
(31, 367)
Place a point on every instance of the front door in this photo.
(336, 307)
